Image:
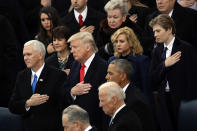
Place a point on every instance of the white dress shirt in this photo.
(88, 128)
(84, 14)
(168, 53)
(37, 73)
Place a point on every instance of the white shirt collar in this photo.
(88, 62)
(117, 111)
(84, 14)
(88, 128)
(194, 6)
(125, 88)
(170, 45)
(170, 14)
(37, 73)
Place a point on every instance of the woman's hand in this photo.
(50, 48)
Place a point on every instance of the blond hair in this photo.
(85, 38)
(135, 46)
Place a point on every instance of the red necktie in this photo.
(80, 20)
(82, 73)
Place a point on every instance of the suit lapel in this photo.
(91, 68)
(89, 17)
(40, 86)
(160, 50)
(28, 82)
(73, 20)
(77, 72)
(116, 118)
(175, 46)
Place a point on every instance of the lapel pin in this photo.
(41, 80)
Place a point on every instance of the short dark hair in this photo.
(164, 21)
(123, 66)
(61, 32)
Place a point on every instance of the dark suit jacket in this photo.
(139, 76)
(93, 18)
(52, 60)
(125, 120)
(181, 77)
(95, 75)
(46, 116)
(142, 14)
(185, 20)
(137, 102)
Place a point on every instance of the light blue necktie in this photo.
(34, 83)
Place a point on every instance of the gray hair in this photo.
(123, 66)
(113, 89)
(117, 4)
(85, 38)
(37, 46)
(75, 112)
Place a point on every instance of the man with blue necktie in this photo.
(38, 95)
(111, 100)
(173, 71)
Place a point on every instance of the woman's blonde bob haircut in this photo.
(135, 46)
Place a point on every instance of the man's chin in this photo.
(28, 66)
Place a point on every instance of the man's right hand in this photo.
(81, 89)
(89, 29)
(186, 3)
(173, 59)
(36, 99)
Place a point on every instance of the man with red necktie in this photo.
(83, 18)
(86, 75)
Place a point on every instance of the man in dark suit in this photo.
(184, 18)
(37, 94)
(87, 73)
(111, 98)
(75, 118)
(90, 18)
(119, 71)
(173, 71)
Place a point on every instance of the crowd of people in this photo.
(111, 65)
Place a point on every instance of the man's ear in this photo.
(78, 125)
(123, 76)
(114, 99)
(41, 54)
(88, 47)
(169, 30)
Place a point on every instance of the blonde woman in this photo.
(127, 46)
(117, 17)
